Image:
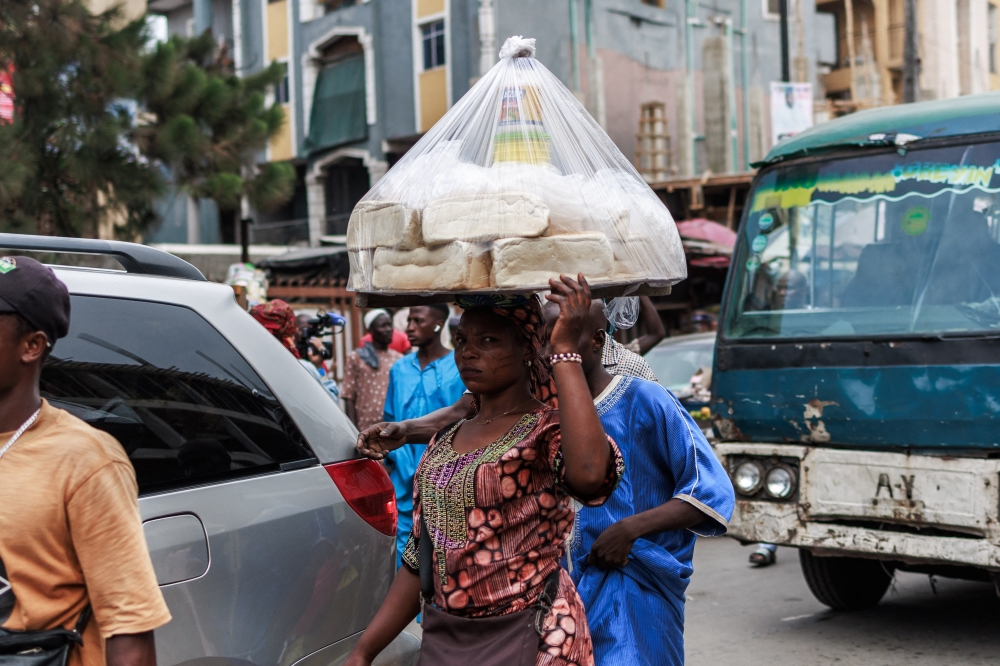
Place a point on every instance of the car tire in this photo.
(845, 583)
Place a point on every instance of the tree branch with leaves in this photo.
(209, 125)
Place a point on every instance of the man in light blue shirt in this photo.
(419, 383)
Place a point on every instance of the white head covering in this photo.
(372, 315)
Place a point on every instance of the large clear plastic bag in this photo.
(514, 185)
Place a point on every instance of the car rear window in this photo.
(675, 363)
(184, 404)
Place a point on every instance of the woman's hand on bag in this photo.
(376, 441)
(573, 299)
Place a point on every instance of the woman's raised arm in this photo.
(585, 448)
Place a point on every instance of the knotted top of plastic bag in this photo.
(518, 47)
(514, 185)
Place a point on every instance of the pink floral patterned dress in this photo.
(498, 518)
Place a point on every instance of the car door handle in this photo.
(178, 547)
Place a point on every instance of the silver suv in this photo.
(272, 544)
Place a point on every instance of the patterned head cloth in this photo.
(525, 312)
(277, 317)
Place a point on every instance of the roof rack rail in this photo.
(133, 257)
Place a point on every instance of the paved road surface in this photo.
(767, 617)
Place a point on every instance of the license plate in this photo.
(919, 490)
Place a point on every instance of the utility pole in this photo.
(745, 83)
(911, 60)
(786, 74)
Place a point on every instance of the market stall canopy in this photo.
(313, 266)
(707, 243)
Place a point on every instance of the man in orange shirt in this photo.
(70, 531)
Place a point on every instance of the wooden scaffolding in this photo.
(653, 157)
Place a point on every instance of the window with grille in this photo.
(282, 92)
(433, 42)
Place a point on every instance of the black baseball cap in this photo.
(30, 289)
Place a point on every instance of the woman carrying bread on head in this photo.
(492, 496)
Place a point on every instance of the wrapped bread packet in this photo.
(514, 185)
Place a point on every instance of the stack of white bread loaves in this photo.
(513, 186)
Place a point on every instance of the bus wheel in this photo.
(845, 583)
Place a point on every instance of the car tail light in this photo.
(368, 490)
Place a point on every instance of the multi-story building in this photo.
(956, 50)
(366, 78)
(419, 56)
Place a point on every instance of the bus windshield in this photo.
(876, 245)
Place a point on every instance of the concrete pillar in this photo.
(682, 144)
(193, 221)
(759, 134)
(309, 10)
(316, 198)
(882, 50)
(488, 52)
(980, 46)
(597, 105)
(716, 80)
(202, 16)
(376, 169)
(237, 12)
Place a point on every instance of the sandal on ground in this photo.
(762, 557)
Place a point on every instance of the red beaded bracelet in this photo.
(571, 357)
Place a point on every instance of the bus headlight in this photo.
(748, 477)
(779, 483)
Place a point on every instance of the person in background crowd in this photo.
(703, 322)
(302, 321)
(765, 555)
(366, 372)
(314, 353)
(649, 319)
(389, 436)
(620, 359)
(400, 341)
(419, 383)
(71, 539)
(632, 556)
(317, 353)
(279, 319)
